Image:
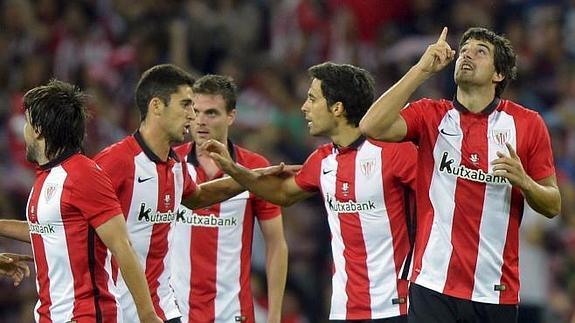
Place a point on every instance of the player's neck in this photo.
(475, 99)
(345, 135)
(208, 165)
(157, 143)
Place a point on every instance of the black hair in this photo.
(504, 56)
(348, 84)
(57, 112)
(218, 84)
(160, 81)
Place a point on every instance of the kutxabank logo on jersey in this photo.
(348, 206)
(41, 229)
(211, 220)
(447, 166)
(146, 215)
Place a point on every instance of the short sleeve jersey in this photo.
(364, 190)
(468, 218)
(70, 199)
(150, 191)
(212, 250)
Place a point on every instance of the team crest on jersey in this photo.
(474, 158)
(500, 136)
(345, 188)
(50, 191)
(367, 167)
(167, 199)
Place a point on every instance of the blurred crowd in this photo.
(267, 46)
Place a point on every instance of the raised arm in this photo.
(15, 229)
(114, 234)
(383, 121)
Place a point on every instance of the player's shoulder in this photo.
(428, 103)
(122, 150)
(517, 110)
(80, 166)
(249, 158)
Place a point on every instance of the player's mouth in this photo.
(466, 66)
(187, 128)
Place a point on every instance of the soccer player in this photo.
(480, 158)
(211, 258)
(73, 215)
(14, 266)
(363, 184)
(151, 181)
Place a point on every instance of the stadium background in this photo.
(267, 45)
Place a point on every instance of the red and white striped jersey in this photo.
(70, 199)
(364, 190)
(150, 191)
(468, 218)
(212, 248)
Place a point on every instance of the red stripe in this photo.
(246, 302)
(393, 196)
(158, 249)
(466, 222)
(355, 253)
(510, 269)
(425, 212)
(203, 253)
(40, 254)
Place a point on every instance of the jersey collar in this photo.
(486, 111)
(354, 145)
(148, 151)
(193, 159)
(60, 159)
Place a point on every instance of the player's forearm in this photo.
(545, 200)
(133, 275)
(213, 192)
(266, 187)
(385, 110)
(15, 229)
(276, 272)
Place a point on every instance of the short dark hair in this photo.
(160, 81)
(57, 111)
(504, 56)
(348, 84)
(218, 85)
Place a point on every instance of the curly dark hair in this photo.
(57, 111)
(504, 56)
(348, 84)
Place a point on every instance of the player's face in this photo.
(320, 118)
(212, 119)
(179, 115)
(475, 64)
(32, 145)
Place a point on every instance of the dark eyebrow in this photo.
(212, 110)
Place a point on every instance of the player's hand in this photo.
(219, 153)
(14, 266)
(281, 170)
(510, 167)
(436, 56)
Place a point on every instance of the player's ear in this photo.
(156, 106)
(231, 116)
(337, 109)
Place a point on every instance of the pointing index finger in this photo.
(443, 36)
(512, 152)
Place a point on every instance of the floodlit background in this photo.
(267, 46)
